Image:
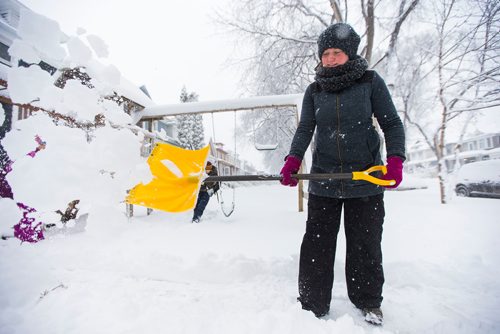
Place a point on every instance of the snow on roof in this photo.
(478, 136)
(37, 32)
(111, 76)
(255, 102)
(467, 154)
(133, 92)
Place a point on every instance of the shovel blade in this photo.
(177, 175)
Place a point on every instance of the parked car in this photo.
(480, 178)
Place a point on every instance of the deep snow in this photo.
(160, 273)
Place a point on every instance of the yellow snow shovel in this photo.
(178, 173)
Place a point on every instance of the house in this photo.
(480, 146)
(9, 19)
(229, 162)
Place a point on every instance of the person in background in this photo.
(338, 108)
(207, 189)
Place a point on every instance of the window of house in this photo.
(147, 125)
(4, 54)
(170, 130)
(23, 113)
(482, 144)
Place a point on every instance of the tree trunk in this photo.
(369, 15)
(441, 149)
(337, 15)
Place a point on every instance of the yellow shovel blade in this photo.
(177, 175)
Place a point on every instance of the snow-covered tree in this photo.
(442, 73)
(78, 140)
(449, 72)
(190, 127)
(282, 37)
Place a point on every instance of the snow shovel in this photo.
(363, 175)
(178, 174)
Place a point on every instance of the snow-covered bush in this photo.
(89, 154)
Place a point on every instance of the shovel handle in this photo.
(364, 175)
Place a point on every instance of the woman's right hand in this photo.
(291, 166)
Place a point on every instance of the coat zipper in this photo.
(338, 142)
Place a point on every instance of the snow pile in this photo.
(95, 164)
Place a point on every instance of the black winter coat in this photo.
(210, 185)
(345, 137)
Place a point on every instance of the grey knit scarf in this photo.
(334, 79)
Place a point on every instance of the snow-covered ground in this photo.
(162, 274)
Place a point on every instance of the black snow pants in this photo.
(363, 219)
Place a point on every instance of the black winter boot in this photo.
(373, 315)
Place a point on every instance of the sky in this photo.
(161, 44)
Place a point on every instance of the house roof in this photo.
(133, 92)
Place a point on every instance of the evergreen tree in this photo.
(190, 126)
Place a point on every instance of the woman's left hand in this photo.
(394, 170)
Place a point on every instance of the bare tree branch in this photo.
(337, 14)
(404, 14)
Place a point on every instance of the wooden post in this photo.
(301, 196)
(129, 208)
(302, 167)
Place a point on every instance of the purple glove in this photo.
(394, 170)
(291, 166)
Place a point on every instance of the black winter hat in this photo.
(339, 36)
